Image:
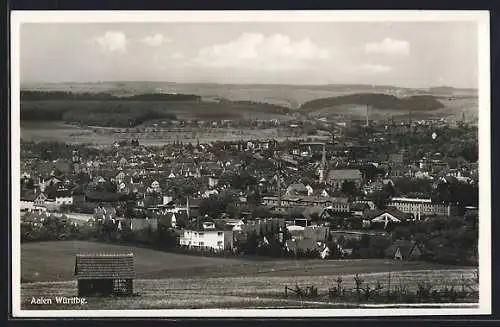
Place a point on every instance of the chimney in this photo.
(367, 116)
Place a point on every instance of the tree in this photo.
(471, 152)
(315, 216)
(261, 212)
(349, 187)
(213, 206)
(250, 244)
(243, 181)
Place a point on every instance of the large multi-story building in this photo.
(340, 204)
(422, 207)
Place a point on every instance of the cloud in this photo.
(155, 40)
(178, 55)
(257, 51)
(112, 41)
(388, 46)
(374, 69)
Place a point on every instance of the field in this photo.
(72, 134)
(168, 280)
(283, 95)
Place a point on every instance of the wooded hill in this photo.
(104, 109)
(102, 96)
(376, 101)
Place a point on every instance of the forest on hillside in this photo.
(104, 109)
(377, 101)
(103, 96)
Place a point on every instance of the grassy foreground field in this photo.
(169, 281)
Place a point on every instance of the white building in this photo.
(64, 199)
(213, 181)
(422, 207)
(207, 237)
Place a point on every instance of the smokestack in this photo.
(367, 118)
(323, 165)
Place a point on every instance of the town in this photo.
(404, 190)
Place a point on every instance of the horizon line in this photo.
(254, 84)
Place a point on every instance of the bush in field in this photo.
(47, 228)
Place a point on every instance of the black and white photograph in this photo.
(250, 164)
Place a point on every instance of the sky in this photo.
(408, 54)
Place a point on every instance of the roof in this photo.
(105, 266)
(359, 206)
(298, 187)
(62, 194)
(344, 174)
(412, 200)
(372, 214)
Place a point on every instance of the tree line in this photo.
(29, 95)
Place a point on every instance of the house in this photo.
(64, 198)
(120, 177)
(209, 193)
(358, 209)
(337, 177)
(207, 236)
(104, 212)
(235, 224)
(404, 250)
(40, 200)
(123, 161)
(105, 274)
(371, 204)
(212, 181)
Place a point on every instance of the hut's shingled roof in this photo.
(105, 266)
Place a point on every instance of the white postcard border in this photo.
(481, 17)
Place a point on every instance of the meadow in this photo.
(167, 280)
(40, 131)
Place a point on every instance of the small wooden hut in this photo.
(105, 274)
